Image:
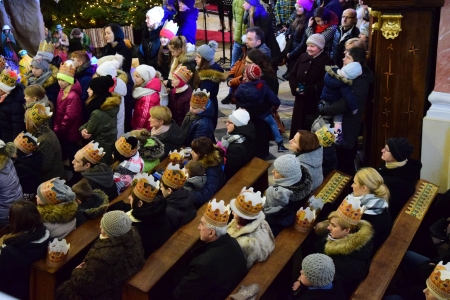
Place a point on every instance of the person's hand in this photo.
(311, 22)
(296, 285)
(85, 134)
(80, 265)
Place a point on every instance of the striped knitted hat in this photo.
(252, 72)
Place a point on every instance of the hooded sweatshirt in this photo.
(101, 177)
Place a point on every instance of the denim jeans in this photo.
(237, 52)
(274, 127)
(411, 261)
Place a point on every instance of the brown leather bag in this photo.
(280, 123)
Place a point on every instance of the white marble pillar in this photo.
(436, 124)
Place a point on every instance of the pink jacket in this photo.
(68, 117)
(146, 97)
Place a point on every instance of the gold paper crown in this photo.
(171, 26)
(92, 152)
(326, 138)
(37, 117)
(439, 281)
(175, 156)
(145, 187)
(217, 214)
(199, 98)
(351, 210)
(8, 78)
(46, 192)
(46, 47)
(174, 177)
(183, 73)
(304, 219)
(67, 68)
(26, 142)
(124, 148)
(248, 203)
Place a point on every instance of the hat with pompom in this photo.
(107, 68)
(207, 51)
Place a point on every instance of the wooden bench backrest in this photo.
(290, 239)
(162, 260)
(389, 255)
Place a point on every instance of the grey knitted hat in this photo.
(288, 166)
(207, 51)
(40, 62)
(116, 223)
(318, 269)
(55, 191)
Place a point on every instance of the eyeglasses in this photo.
(347, 17)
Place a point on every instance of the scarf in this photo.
(285, 181)
(84, 67)
(321, 28)
(228, 139)
(374, 205)
(179, 90)
(41, 79)
(141, 92)
(95, 103)
(396, 164)
(160, 130)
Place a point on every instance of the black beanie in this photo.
(400, 148)
(101, 85)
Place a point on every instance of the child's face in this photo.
(175, 81)
(90, 92)
(164, 41)
(347, 59)
(196, 111)
(63, 84)
(304, 280)
(164, 191)
(198, 59)
(276, 175)
(29, 99)
(230, 126)
(76, 62)
(175, 52)
(138, 80)
(36, 71)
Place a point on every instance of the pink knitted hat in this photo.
(306, 4)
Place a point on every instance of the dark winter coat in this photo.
(340, 38)
(28, 170)
(213, 164)
(382, 226)
(195, 126)
(179, 104)
(172, 138)
(206, 278)
(257, 98)
(17, 255)
(187, 23)
(336, 87)
(10, 189)
(50, 149)
(148, 50)
(401, 183)
(101, 177)
(11, 114)
(93, 208)
(108, 264)
(68, 117)
(121, 49)
(351, 123)
(180, 208)
(239, 154)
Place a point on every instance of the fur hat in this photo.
(107, 68)
(147, 72)
(54, 191)
(116, 223)
(207, 51)
(317, 40)
(253, 72)
(400, 148)
(239, 117)
(288, 166)
(351, 70)
(8, 80)
(318, 269)
(156, 13)
(101, 85)
(6, 152)
(306, 4)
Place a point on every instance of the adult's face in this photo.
(206, 234)
(358, 189)
(230, 126)
(312, 50)
(155, 123)
(347, 59)
(252, 41)
(109, 35)
(294, 144)
(299, 9)
(386, 154)
(336, 231)
(77, 163)
(348, 18)
(151, 23)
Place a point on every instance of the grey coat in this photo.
(10, 189)
(313, 162)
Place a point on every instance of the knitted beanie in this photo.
(116, 59)
(318, 269)
(107, 68)
(288, 166)
(188, 3)
(40, 62)
(351, 70)
(252, 72)
(147, 73)
(317, 40)
(207, 51)
(239, 117)
(116, 223)
(101, 85)
(400, 148)
(156, 13)
(54, 191)
(46, 55)
(306, 4)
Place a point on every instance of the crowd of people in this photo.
(75, 135)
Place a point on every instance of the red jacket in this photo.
(69, 116)
(144, 102)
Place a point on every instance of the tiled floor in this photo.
(284, 93)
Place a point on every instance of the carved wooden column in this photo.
(403, 47)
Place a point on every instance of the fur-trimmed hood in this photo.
(211, 160)
(332, 71)
(111, 102)
(213, 75)
(352, 242)
(59, 213)
(122, 75)
(187, 57)
(99, 205)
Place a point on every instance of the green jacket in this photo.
(238, 16)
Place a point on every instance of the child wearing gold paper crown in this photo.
(199, 120)
(180, 95)
(91, 203)
(11, 106)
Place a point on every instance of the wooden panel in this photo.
(403, 4)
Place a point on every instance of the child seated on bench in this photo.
(196, 178)
(91, 204)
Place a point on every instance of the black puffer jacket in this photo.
(11, 114)
(180, 208)
(28, 170)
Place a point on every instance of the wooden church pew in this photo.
(389, 255)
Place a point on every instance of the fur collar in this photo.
(187, 57)
(100, 198)
(213, 75)
(332, 71)
(59, 213)
(211, 160)
(122, 75)
(52, 79)
(111, 102)
(352, 242)
(235, 232)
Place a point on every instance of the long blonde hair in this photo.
(373, 181)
